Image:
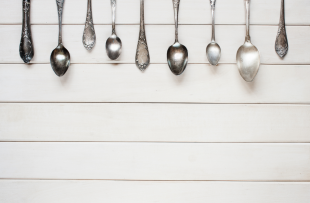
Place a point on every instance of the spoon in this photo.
(248, 59)
(114, 44)
(60, 57)
(281, 44)
(26, 47)
(213, 49)
(142, 53)
(89, 35)
(177, 54)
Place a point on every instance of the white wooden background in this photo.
(105, 132)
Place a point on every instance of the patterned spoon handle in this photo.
(89, 35)
(281, 44)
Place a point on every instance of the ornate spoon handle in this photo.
(281, 44)
(247, 19)
(142, 53)
(89, 35)
(212, 2)
(113, 7)
(60, 4)
(176, 4)
(26, 46)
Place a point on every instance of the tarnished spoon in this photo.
(114, 44)
(60, 57)
(213, 49)
(248, 59)
(89, 35)
(281, 44)
(26, 46)
(142, 53)
(177, 54)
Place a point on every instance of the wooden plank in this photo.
(32, 191)
(191, 12)
(125, 83)
(155, 161)
(229, 37)
(155, 122)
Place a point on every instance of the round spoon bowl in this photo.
(177, 57)
(60, 60)
(213, 53)
(114, 47)
(248, 61)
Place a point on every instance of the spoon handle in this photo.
(113, 6)
(60, 4)
(281, 45)
(247, 20)
(89, 35)
(26, 47)
(212, 2)
(176, 4)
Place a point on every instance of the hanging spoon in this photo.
(281, 44)
(89, 35)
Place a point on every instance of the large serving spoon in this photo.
(60, 57)
(281, 44)
(248, 59)
(89, 35)
(26, 46)
(213, 49)
(114, 44)
(177, 54)
(142, 53)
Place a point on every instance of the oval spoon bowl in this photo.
(177, 57)
(213, 53)
(113, 47)
(60, 60)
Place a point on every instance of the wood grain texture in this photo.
(125, 83)
(154, 122)
(160, 12)
(155, 161)
(29, 191)
(195, 37)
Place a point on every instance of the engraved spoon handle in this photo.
(26, 47)
(281, 45)
(113, 7)
(212, 2)
(89, 35)
(60, 4)
(176, 4)
(247, 20)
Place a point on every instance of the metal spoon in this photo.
(142, 53)
(114, 44)
(281, 44)
(26, 47)
(89, 35)
(248, 59)
(177, 54)
(213, 49)
(60, 57)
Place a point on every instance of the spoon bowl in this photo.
(60, 60)
(213, 53)
(114, 46)
(248, 61)
(177, 57)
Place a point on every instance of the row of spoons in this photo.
(248, 58)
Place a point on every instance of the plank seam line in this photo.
(130, 24)
(126, 63)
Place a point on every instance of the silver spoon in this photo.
(213, 49)
(26, 47)
(60, 57)
(281, 44)
(114, 44)
(177, 54)
(248, 59)
(89, 35)
(142, 53)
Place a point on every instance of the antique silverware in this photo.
(89, 35)
(281, 44)
(248, 59)
(213, 49)
(142, 53)
(114, 44)
(60, 57)
(26, 46)
(177, 54)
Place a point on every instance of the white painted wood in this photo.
(155, 122)
(25, 191)
(159, 12)
(155, 161)
(159, 37)
(125, 83)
